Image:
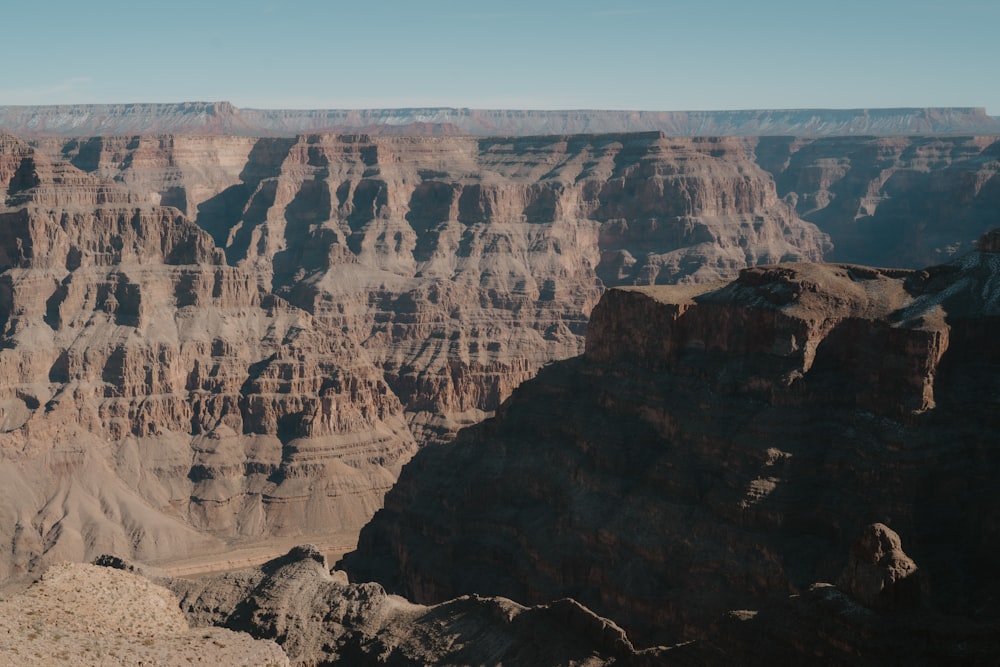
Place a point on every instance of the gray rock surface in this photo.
(319, 618)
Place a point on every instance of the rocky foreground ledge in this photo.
(289, 611)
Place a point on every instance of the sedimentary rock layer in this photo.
(890, 201)
(157, 401)
(722, 447)
(277, 308)
(223, 118)
(462, 265)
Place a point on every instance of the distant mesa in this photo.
(223, 118)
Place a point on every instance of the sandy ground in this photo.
(238, 557)
(85, 615)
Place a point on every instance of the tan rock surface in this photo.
(85, 615)
(159, 403)
(463, 265)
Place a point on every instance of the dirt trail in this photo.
(238, 557)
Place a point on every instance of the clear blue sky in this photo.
(625, 54)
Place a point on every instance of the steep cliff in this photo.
(462, 265)
(891, 201)
(156, 401)
(722, 447)
(416, 276)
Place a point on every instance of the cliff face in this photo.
(890, 201)
(462, 265)
(722, 447)
(155, 400)
(340, 293)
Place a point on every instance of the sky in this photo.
(516, 54)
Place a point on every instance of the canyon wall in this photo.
(890, 201)
(462, 265)
(222, 118)
(719, 450)
(156, 401)
(253, 334)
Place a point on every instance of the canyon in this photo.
(226, 341)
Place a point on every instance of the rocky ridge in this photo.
(890, 201)
(319, 618)
(718, 451)
(79, 120)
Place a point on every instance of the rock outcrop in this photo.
(720, 448)
(223, 118)
(879, 574)
(320, 619)
(156, 401)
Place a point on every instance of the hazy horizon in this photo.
(451, 108)
(642, 55)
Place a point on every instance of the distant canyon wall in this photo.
(223, 118)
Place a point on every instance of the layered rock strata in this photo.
(890, 201)
(720, 448)
(157, 401)
(462, 265)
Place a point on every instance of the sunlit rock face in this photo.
(155, 400)
(462, 265)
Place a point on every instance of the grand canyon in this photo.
(564, 388)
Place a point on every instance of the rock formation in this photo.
(462, 265)
(253, 334)
(891, 201)
(879, 574)
(720, 448)
(223, 118)
(320, 619)
(157, 401)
